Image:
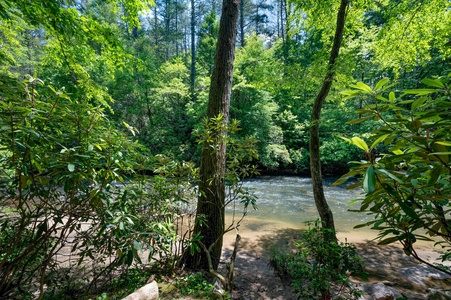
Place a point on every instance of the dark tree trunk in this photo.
(193, 51)
(211, 202)
(242, 23)
(315, 164)
(282, 19)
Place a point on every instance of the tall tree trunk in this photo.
(193, 50)
(256, 18)
(242, 23)
(211, 203)
(282, 20)
(315, 164)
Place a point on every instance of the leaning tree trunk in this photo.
(324, 211)
(211, 203)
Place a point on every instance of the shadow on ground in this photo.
(254, 279)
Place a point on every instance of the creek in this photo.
(286, 202)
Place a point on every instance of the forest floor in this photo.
(255, 280)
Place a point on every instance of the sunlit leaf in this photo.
(363, 87)
(420, 92)
(381, 83)
(391, 97)
(433, 82)
(359, 143)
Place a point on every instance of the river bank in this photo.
(284, 204)
(387, 266)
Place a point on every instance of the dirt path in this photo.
(254, 280)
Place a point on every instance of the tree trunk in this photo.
(211, 203)
(242, 23)
(324, 211)
(193, 51)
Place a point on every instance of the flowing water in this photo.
(287, 202)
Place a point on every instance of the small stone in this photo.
(437, 294)
(147, 292)
(412, 296)
(389, 283)
(378, 291)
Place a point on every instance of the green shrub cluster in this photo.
(318, 268)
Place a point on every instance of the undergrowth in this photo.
(317, 268)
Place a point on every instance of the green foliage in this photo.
(63, 165)
(195, 285)
(406, 171)
(168, 128)
(52, 174)
(256, 110)
(206, 47)
(241, 153)
(320, 269)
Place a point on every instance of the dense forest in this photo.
(104, 128)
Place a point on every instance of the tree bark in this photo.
(324, 210)
(193, 50)
(242, 23)
(211, 203)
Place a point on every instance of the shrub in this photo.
(319, 269)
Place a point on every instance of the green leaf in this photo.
(391, 97)
(434, 175)
(71, 167)
(444, 143)
(386, 172)
(369, 181)
(359, 143)
(21, 147)
(354, 185)
(340, 180)
(137, 245)
(345, 139)
(350, 93)
(130, 257)
(418, 102)
(356, 121)
(398, 152)
(381, 83)
(363, 87)
(420, 92)
(433, 82)
(388, 240)
(379, 140)
(364, 111)
(441, 153)
(408, 210)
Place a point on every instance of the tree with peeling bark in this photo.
(324, 210)
(209, 226)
